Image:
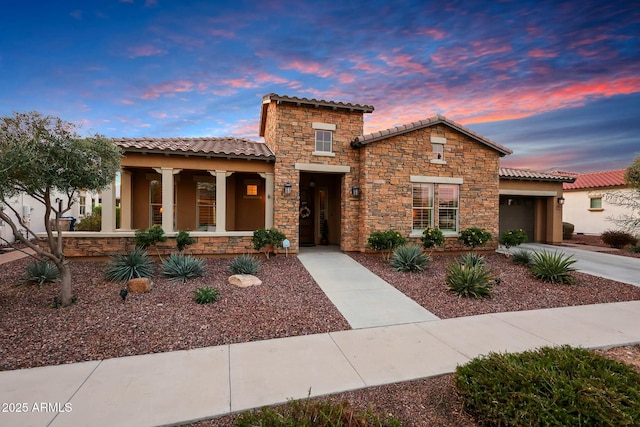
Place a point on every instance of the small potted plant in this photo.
(324, 232)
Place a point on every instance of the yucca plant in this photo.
(41, 272)
(409, 258)
(206, 295)
(469, 281)
(472, 259)
(554, 267)
(244, 264)
(181, 267)
(522, 257)
(124, 267)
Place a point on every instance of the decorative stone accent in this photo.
(244, 280)
(140, 284)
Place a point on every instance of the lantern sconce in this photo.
(287, 189)
(355, 191)
(561, 200)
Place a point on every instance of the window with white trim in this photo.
(422, 206)
(595, 203)
(438, 151)
(435, 203)
(206, 205)
(83, 205)
(324, 140)
(448, 201)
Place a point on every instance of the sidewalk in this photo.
(170, 388)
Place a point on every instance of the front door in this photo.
(307, 216)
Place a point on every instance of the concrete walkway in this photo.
(171, 388)
(364, 299)
(615, 267)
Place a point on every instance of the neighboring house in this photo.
(586, 206)
(316, 164)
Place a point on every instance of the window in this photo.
(324, 140)
(448, 208)
(422, 206)
(438, 151)
(206, 205)
(155, 202)
(83, 205)
(595, 203)
(252, 190)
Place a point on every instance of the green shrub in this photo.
(149, 237)
(560, 386)
(567, 230)
(474, 237)
(183, 239)
(522, 257)
(472, 260)
(91, 222)
(554, 267)
(511, 238)
(263, 238)
(181, 267)
(432, 237)
(618, 239)
(41, 272)
(307, 413)
(244, 264)
(468, 281)
(385, 241)
(206, 295)
(635, 249)
(409, 258)
(124, 267)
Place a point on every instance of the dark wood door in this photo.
(307, 216)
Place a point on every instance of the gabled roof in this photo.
(334, 105)
(432, 121)
(613, 178)
(529, 175)
(228, 147)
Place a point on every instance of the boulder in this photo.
(140, 284)
(244, 280)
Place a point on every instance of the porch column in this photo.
(167, 197)
(109, 208)
(268, 208)
(221, 199)
(125, 200)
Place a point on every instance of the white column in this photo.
(221, 200)
(109, 208)
(268, 208)
(126, 201)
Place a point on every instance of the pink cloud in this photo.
(168, 89)
(127, 102)
(504, 66)
(405, 62)
(238, 83)
(309, 67)
(433, 33)
(144, 50)
(222, 33)
(541, 53)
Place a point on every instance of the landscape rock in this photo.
(244, 280)
(140, 284)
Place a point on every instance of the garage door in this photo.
(517, 212)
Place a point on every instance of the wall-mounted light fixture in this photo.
(561, 200)
(355, 191)
(312, 183)
(287, 189)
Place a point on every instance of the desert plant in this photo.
(635, 249)
(560, 386)
(409, 258)
(263, 239)
(511, 238)
(206, 295)
(554, 267)
(432, 237)
(41, 272)
(385, 241)
(91, 222)
(149, 237)
(474, 237)
(469, 281)
(181, 267)
(124, 267)
(618, 239)
(184, 239)
(472, 260)
(244, 264)
(522, 257)
(308, 413)
(567, 230)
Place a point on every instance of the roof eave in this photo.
(270, 158)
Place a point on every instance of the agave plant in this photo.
(409, 258)
(244, 264)
(554, 267)
(469, 281)
(472, 259)
(41, 271)
(124, 267)
(181, 267)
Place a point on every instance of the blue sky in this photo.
(556, 82)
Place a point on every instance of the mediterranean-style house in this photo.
(586, 206)
(317, 165)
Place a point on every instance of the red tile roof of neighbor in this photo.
(432, 121)
(227, 147)
(613, 178)
(529, 175)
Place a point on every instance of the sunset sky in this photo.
(556, 82)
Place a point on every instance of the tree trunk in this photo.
(65, 278)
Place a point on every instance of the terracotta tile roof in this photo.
(432, 121)
(317, 102)
(529, 175)
(613, 178)
(207, 147)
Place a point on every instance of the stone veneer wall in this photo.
(386, 187)
(289, 133)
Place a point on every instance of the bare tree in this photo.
(630, 200)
